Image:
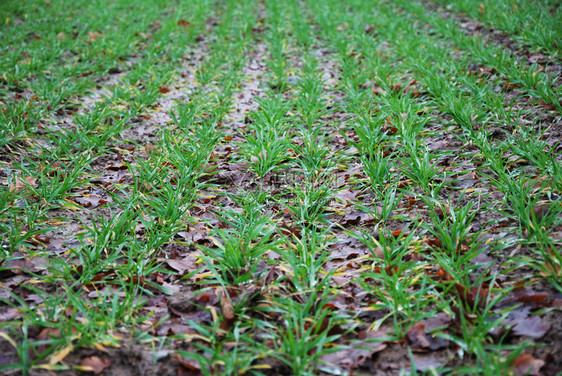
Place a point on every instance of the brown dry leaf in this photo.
(416, 337)
(398, 233)
(426, 363)
(377, 90)
(473, 297)
(189, 364)
(360, 351)
(227, 312)
(93, 35)
(95, 364)
(482, 9)
(91, 201)
(527, 296)
(434, 243)
(183, 23)
(22, 183)
(226, 304)
(421, 341)
(179, 265)
(59, 356)
(164, 90)
(9, 314)
(552, 266)
(526, 364)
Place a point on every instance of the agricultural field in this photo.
(319, 187)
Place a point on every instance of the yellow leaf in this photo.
(60, 355)
(71, 205)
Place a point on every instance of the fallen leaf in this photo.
(183, 23)
(473, 297)
(179, 265)
(533, 327)
(482, 9)
(422, 341)
(526, 364)
(189, 364)
(9, 314)
(359, 352)
(226, 309)
(426, 363)
(95, 364)
(93, 35)
(22, 183)
(91, 201)
(439, 321)
(183, 302)
(59, 356)
(164, 90)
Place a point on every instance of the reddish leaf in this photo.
(164, 90)
(526, 364)
(189, 364)
(531, 297)
(434, 243)
(183, 23)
